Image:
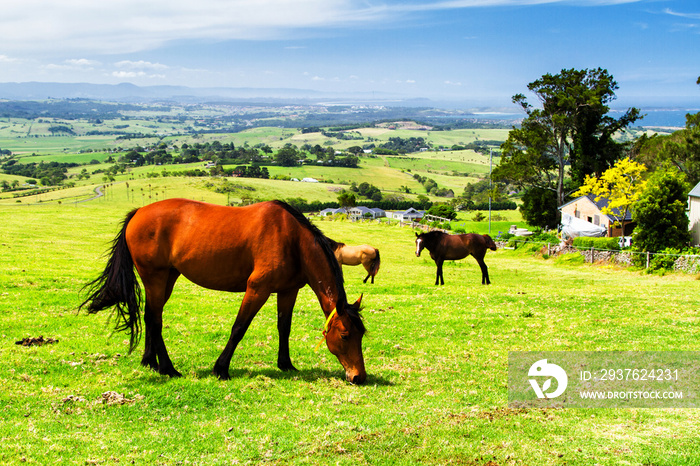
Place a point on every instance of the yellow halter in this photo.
(325, 328)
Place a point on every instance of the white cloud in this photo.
(82, 62)
(140, 65)
(128, 26)
(668, 11)
(6, 59)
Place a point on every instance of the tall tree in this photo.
(570, 127)
(288, 156)
(660, 213)
(621, 185)
(346, 199)
(594, 148)
(539, 208)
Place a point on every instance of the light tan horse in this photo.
(356, 255)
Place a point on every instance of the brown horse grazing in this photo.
(444, 247)
(259, 249)
(356, 255)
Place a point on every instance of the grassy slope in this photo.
(436, 359)
(32, 143)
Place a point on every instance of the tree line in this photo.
(48, 173)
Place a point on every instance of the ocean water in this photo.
(661, 117)
(654, 117)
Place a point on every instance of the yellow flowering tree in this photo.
(622, 185)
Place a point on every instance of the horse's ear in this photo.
(359, 301)
(417, 235)
(341, 310)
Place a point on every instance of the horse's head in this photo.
(344, 332)
(420, 243)
(490, 243)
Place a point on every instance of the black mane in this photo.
(432, 237)
(328, 246)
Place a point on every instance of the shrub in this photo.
(585, 242)
(543, 237)
(665, 259)
(443, 210)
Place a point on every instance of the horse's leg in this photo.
(285, 307)
(484, 271)
(439, 278)
(159, 287)
(252, 302)
(367, 264)
(149, 353)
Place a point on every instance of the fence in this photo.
(681, 262)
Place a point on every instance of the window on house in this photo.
(596, 220)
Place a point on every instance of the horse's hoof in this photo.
(287, 367)
(170, 372)
(151, 364)
(221, 375)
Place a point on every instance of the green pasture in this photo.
(25, 137)
(372, 169)
(441, 162)
(436, 359)
(82, 158)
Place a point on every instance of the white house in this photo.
(365, 212)
(694, 214)
(410, 215)
(329, 211)
(587, 209)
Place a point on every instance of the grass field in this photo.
(32, 142)
(334, 179)
(436, 359)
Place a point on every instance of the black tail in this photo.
(118, 286)
(374, 268)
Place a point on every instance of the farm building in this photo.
(694, 213)
(365, 212)
(329, 211)
(409, 215)
(587, 209)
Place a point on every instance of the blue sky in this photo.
(476, 51)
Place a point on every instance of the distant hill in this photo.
(126, 92)
(661, 112)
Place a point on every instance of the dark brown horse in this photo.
(444, 247)
(259, 249)
(364, 254)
